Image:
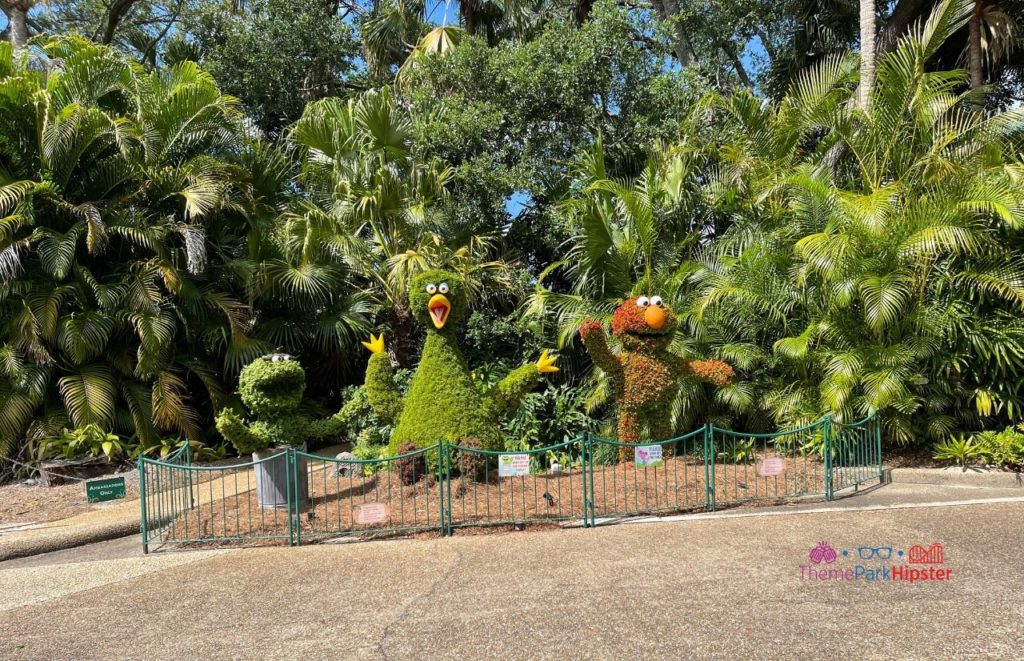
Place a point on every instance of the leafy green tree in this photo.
(275, 56)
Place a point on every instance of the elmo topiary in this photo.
(442, 403)
(645, 373)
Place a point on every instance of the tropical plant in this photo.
(371, 206)
(88, 441)
(110, 185)
(961, 450)
(1002, 448)
(873, 249)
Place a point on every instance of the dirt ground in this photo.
(380, 505)
(20, 503)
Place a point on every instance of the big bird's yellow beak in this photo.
(439, 308)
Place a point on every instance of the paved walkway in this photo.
(728, 587)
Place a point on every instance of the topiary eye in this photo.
(431, 288)
(443, 288)
(643, 301)
(656, 300)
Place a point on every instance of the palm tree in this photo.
(872, 250)
(110, 186)
(372, 206)
(868, 33)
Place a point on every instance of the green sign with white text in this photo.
(98, 491)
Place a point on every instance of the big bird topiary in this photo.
(271, 388)
(442, 402)
(645, 374)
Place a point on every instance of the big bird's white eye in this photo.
(431, 288)
(443, 288)
(643, 301)
(656, 300)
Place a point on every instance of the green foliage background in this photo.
(219, 182)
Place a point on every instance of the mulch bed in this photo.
(348, 506)
(22, 503)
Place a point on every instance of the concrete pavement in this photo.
(723, 588)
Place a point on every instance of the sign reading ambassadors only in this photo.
(98, 491)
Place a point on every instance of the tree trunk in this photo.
(867, 51)
(17, 17)
(683, 49)
(581, 11)
(975, 65)
(118, 10)
(730, 50)
(905, 13)
(470, 18)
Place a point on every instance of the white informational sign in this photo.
(771, 467)
(647, 455)
(372, 513)
(513, 465)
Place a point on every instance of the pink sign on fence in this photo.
(771, 467)
(372, 513)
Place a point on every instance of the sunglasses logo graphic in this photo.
(870, 552)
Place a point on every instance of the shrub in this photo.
(958, 449)
(1004, 448)
(410, 469)
(471, 464)
(88, 441)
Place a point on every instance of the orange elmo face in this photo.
(644, 322)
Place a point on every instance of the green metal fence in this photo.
(184, 504)
(747, 467)
(586, 480)
(485, 487)
(855, 454)
(370, 497)
(663, 477)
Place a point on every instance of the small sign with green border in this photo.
(98, 491)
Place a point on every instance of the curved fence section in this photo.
(856, 454)
(291, 496)
(369, 497)
(654, 478)
(185, 504)
(747, 467)
(486, 487)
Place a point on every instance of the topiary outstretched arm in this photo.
(325, 429)
(238, 433)
(509, 392)
(381, 390)
(717, 372)
(596, 341)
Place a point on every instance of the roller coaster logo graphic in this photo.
(919, 555)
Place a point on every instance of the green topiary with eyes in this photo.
(271, 388)
(442, 402)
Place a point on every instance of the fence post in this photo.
(188, 473)
(294, 516)
(709, 467)
(442, 481)
(587, 495)
(142, 505)
(878, 446)
(827, 457)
